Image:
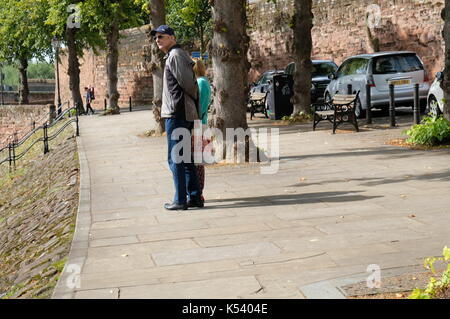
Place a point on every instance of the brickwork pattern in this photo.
(340, 31)
(19, 118)
(135, 80)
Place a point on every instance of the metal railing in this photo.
(11, 148)
(46, 118)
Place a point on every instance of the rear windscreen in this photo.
(397, 64)
(323, 69)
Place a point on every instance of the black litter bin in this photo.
(279, 97)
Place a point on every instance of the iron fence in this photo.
(13, 146)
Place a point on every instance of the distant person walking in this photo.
(88, 96)
(179, 108)
(205, 99)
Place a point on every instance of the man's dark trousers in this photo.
(184, 174)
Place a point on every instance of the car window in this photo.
(357, 66)
(397, 64)
(262, 79)
(409, 63)
(343, 69)
(290, 69)
(323, 69)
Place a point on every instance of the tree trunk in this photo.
(229, 48)
(230, 65)
(112, 59)
(303, 23)
(446, 81)
(372, 41)
(157, 18)
(74, 69)
(23, 86)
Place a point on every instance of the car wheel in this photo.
(433, 107)
(359, 112)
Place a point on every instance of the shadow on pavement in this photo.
(292, 199)
(384, 152)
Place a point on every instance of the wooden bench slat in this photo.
(323, 113)
(342, 100)
(346, 95)
(257, 96)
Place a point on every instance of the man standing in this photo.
(179, 108)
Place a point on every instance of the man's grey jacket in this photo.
(180, 90)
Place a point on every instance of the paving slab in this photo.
(214, 253)
(229, 288)
(337, 204)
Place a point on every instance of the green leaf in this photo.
(419, 294)
(446, 253)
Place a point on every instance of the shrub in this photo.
(431, 131)
(297, 118)
(435, 286)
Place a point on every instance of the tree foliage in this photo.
(99, 23)
(192, 20)
(23, 32)
(23, 35)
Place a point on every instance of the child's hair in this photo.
(199, 68)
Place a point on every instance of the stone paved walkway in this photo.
(338, 204)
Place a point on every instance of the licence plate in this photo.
(400, 82)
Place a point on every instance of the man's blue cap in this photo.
(164, 29)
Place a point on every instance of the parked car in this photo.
(262, 85)
(403, 68)
(319, 80)
(435, 99)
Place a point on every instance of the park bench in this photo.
(340, 109)
(257, 102)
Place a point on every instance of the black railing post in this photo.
(45, 139)
(52, 114)
(78, 127)
(391, 105)
(105, 104)
(10, 158)
(369, 104)
(130, 104)
(416, 104)
(349, 89)
(14, 154)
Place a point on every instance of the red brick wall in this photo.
(33, 97)
(134, 79)
(18, 118)
(339, 31)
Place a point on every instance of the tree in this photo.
(65, 17)
(23, 35)
(192, 19)
(230, 65)
(446, 82)
(93, 24)
(109, 17)
(302, 25)
(157, 18)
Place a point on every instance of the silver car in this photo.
(403, 69)
(436, 96)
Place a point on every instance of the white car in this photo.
(403, 68)
(435, 100)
